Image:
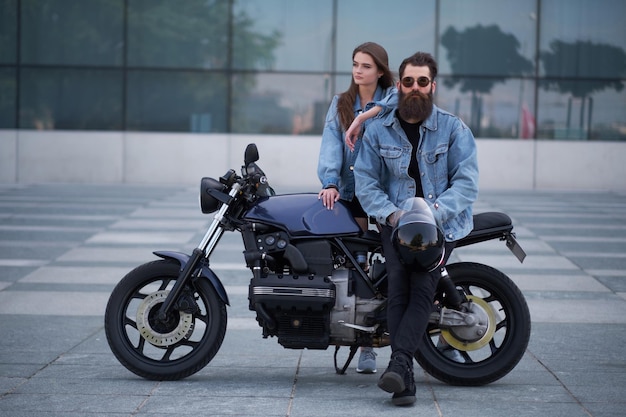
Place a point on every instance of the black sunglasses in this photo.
(421, 81)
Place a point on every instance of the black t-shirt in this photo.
(412, 131)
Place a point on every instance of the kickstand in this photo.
(342, 371)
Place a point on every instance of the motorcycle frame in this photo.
(202, 253)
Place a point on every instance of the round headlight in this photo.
(208, 186)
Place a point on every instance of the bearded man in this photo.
(416, 150)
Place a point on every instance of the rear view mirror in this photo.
(251, 155)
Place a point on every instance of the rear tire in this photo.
(512, 323)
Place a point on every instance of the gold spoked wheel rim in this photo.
(486, 325)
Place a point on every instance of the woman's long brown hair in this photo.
(345, 104)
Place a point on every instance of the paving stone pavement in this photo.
(63, 248)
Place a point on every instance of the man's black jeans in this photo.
(410, 298)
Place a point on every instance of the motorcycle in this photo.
(316, 281)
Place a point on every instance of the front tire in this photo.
(484, 361)
(171, 349)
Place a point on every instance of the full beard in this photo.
(415, 106)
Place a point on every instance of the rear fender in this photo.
(207, 272)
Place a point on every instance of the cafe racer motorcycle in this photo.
(316, 281)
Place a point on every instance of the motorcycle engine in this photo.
(296, 308)
(349, 315)
(311, 309)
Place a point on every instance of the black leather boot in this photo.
(394, 377)
(406, 397)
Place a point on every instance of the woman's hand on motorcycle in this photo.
(329, 197)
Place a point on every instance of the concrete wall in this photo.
(289, 161)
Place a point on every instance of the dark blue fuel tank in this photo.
(303, 215)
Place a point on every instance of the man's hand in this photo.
(393, 218)
(329, 197)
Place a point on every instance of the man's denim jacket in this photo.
(336, 160)
(447, 161)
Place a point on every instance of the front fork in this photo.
(179, 285)
(204, 249)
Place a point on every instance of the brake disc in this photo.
(177, 327)
(476, 336)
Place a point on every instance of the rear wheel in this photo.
(169, 349)
(471, 355)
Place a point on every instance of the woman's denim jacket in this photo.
(336, 160)
(447, 161)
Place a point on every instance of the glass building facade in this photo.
(544, 69)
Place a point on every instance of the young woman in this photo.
(371, 82)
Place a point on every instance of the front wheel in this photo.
(169, 349)
(473, 356)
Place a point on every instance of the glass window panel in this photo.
(487, 37)
(282, 35)
(70, 99)
(583, 62)
(582, 38)
(72, 32)
(8, 31)
(402, 28)
(600, 115)
(179, 34)
(506, 112)
(342, 83)
(267, 103)
(7, 98)
(176, 101)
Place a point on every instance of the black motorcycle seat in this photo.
(371, 235)
(487, 226)
(490, 220)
